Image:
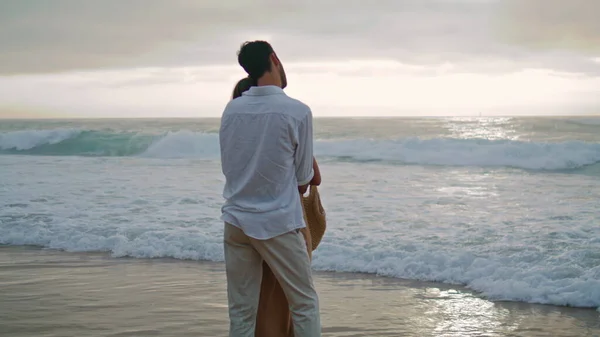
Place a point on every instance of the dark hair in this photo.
(241, 86)
(254, 57)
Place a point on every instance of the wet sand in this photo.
(52, 293)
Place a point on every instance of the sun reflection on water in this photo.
(492, 128)
(463, 314)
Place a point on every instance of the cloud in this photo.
(552, 24)
(470, 35)
(331, 89)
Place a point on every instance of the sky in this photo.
(177, 58)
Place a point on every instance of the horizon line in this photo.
(314, 117)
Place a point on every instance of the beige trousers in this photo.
(273, 318)
(288, 259)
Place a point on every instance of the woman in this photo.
(273, 317)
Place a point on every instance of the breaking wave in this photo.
(414, 151)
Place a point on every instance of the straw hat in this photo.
(314, 215)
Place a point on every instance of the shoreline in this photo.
(53, 293)
(343, 275)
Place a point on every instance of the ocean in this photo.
(507, 207)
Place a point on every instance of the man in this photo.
(267, 158)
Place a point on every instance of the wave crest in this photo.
(467, 152)
(184, 144)
(29, 139)
(412, 151)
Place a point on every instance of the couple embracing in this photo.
(266, 141)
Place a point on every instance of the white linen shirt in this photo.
(266, 140)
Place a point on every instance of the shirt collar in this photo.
(263, 90)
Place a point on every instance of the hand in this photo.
(303, 189)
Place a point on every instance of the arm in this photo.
(316, 180)
(304, 159)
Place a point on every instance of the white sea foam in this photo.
(513, 277)
(509, 236)
(496, 277)
(184, 144)
(450, 152)
(467, 152)
(28, 139)
(416, 151)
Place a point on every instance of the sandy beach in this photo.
(52, 293)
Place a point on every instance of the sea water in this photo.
(509, 207)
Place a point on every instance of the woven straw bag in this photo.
(314, 214)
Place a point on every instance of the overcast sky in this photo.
(345, 57)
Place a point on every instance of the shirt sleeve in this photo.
(304, 151)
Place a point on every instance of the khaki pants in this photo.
(289, 261)
(273, 318)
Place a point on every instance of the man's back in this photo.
(266, 153)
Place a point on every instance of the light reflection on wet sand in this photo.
(49, 293)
